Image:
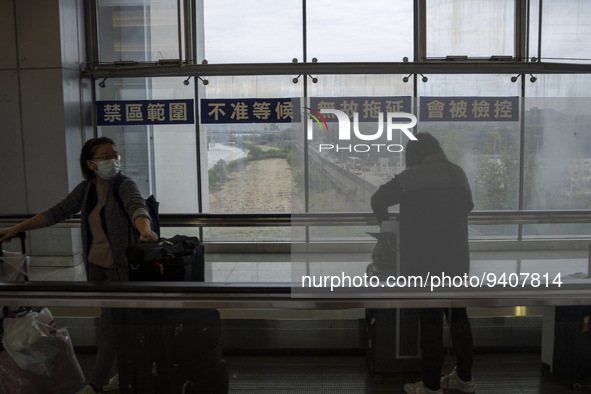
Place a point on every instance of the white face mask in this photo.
(108, 169)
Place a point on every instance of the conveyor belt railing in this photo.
(279, 295)
(271, 296)
(336, 218)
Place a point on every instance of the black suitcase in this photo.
(170, 351)
(392, 335)
(180, 258)
(566, 343)
(392, 341)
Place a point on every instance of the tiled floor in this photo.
(493, 373)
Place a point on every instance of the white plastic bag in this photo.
(67, 374)
(30, 340)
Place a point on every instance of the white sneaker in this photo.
(453, 382)
(86, 390)
(419, 388)
(113, 384)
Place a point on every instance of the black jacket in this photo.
(435, 200)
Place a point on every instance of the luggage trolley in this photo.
(14, 266)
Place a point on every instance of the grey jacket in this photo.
(117, 223)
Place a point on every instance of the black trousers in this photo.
(432, 350)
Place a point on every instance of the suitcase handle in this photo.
(22, 235)
(164, 241)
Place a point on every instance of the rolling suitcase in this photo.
(180, 258)
(392, 335)
(170, 351)
(566, 343)
(392, 341)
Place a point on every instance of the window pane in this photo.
(534, 26)
(487, 150)
(558, 148)
(344, 174)
(558, 157)
(474, 28)
(161, 159)
(354, 31)
(246, 166)
(565, 30)
(138, 30)
(262, 31)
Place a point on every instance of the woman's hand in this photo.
(7, 233)
(142, 224)
(148, 236)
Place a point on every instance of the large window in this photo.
(536, 161)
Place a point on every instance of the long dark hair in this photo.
(416, 151)
(88, 151)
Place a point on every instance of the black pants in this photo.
(432, 351)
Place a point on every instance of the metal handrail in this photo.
(335, 218)
(280, 295)
(268, 296)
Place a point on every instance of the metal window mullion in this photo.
(540, 13)
(305, 129)
(521, 36)
(92, 41)
(420, 30)
(179, 28)
(189, 31)
(521, 186)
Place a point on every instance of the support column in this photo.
(44, 116)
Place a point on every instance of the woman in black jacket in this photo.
(435, 199)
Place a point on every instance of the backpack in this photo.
(151, 205)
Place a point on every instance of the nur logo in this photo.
(402, 121)
(317, 117)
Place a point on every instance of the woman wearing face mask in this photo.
(110, 221)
